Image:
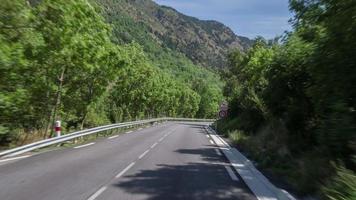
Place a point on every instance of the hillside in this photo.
(206, 43)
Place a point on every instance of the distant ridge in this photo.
(205, 42)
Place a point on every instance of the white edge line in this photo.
(211, 141)
(143, 154)
(85, 145)
(253, 189)
(125, 170)
(139, 129)
(207, 136)
(97, 193)
(16, 158)
(129, 132)
(231, 173)
(112, 137)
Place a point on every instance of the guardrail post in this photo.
(58, 128)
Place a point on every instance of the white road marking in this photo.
(160, 140)
(207, 136)
(125, 170)
(218, 152)
(231, 173)
(129, 132)
(153, 145)
(97, 193)
(16, 158)
(112, 137)
(143, 154)
(85, 145)
(211, 141)
(218, 142)
(139, 129)
(214, 163)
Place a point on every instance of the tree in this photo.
(18, 43)
(74, 58)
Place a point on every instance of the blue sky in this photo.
(251, 18)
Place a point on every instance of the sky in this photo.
(250, 18)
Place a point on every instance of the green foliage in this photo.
(126, 30)
(77, 58)
(17, 44)
(300, 92)
(58, 61)
(247, 83)
(144, 91)
(342, 186)
(237, 137)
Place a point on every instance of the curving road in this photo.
(164, 162)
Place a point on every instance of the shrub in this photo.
(342, 186)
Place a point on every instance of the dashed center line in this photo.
(125, 170)
(143, 154)
(97, 193)
(101, 190)
(112, 137)
(231, 173)
(85, 145)
(153, 145)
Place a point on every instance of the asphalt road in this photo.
(164, 162)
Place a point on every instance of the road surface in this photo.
(175, 160)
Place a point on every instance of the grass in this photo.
(342, 186)
(305, 172)
(237, 137)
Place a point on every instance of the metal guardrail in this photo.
(77, 134)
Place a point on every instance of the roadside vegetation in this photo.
(59, 60)
(292, 100)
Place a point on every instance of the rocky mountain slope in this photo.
(206, 43)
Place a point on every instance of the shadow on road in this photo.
(190, 181)
(206, 179)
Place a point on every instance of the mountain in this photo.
(204, 42)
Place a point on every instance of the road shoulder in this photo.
(255, 180)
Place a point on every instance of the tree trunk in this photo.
(49, 120)
(49, 116)
(58, 100)
(83, 120)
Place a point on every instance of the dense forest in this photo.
(62, 60)
(134, 21)
(293, 99)
(157, 28)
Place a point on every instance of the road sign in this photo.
(224, 106)
(222, 113)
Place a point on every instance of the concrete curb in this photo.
(254, 179)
